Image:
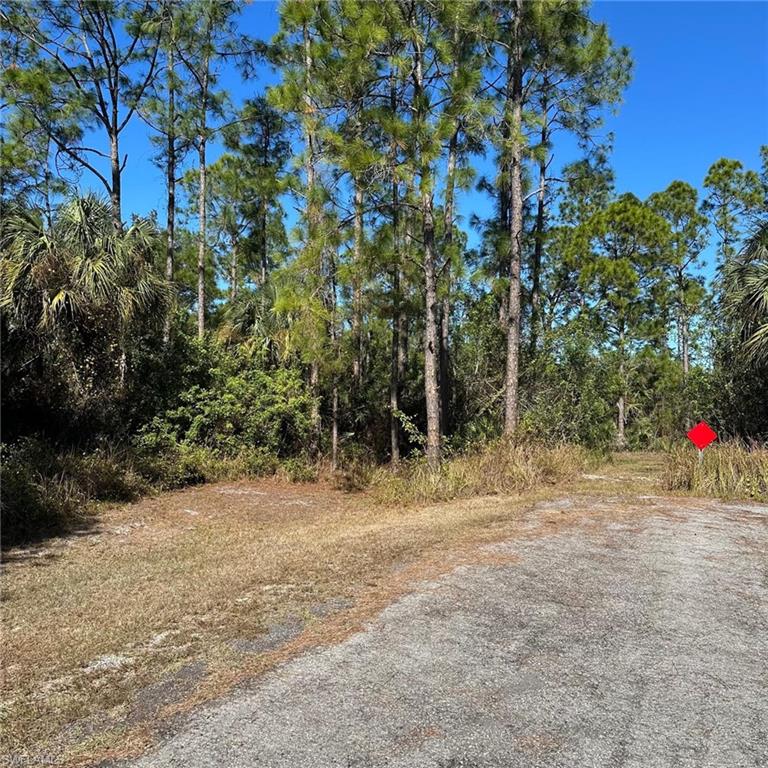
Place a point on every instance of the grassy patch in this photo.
(727, 470)
(48, 492)
(494, 469)
(182, 591)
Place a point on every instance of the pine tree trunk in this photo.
(264, 244)
(394, 373)
(683, 328)
(621, 416)
(335, 428)
(201, 198)
(431, 350)
(685, 345)
(404, 317)
(445, 363)
(233, 272)
(686, 368)
(115, 189)
(515, 109)
(445, 315)
(684, 331)
(431, 341)
(503, 224)
(201, 237)
(621, 442)
(312, 224)
(170, 176)
(538, 243)
(334, 332)
(357, 292)
(48, 176)
(402, 354)
(314, 413)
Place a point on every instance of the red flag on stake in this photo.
(702, 435)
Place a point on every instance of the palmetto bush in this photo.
(746, 291)
(79, 299)
(80, 267)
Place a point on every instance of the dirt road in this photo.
(618, 640)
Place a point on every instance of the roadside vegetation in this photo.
(172, 600)
(48, 492)
(496, 469)
(730, 470)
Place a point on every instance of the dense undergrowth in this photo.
(218, 417)
(45, 492)
(728, 470)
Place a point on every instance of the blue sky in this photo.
(699, 92)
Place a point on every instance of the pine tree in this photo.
(206, 35)
(163, 111)
(462, 125)
(732, 193)
(623, 275)
(578, 75)
(678, 205)
(301, 94)
(513, 38)
(86, 67)
(424, 149)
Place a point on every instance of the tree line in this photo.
(327, 242)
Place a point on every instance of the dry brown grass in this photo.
(498, 468)
(179, 577)
(625, 473)
(726, 470)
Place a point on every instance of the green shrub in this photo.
(728, 470)
(572, 398)
(246, 421)
(244, 408)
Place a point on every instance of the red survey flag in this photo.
(702, 435)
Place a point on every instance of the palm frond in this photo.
(746, 293)
(81, 266)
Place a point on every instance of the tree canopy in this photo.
(323, 256)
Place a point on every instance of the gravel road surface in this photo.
(622, 640)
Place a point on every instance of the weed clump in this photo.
(726, 470)
(492, 469)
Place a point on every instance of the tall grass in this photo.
(727, 470)
(493, 469)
